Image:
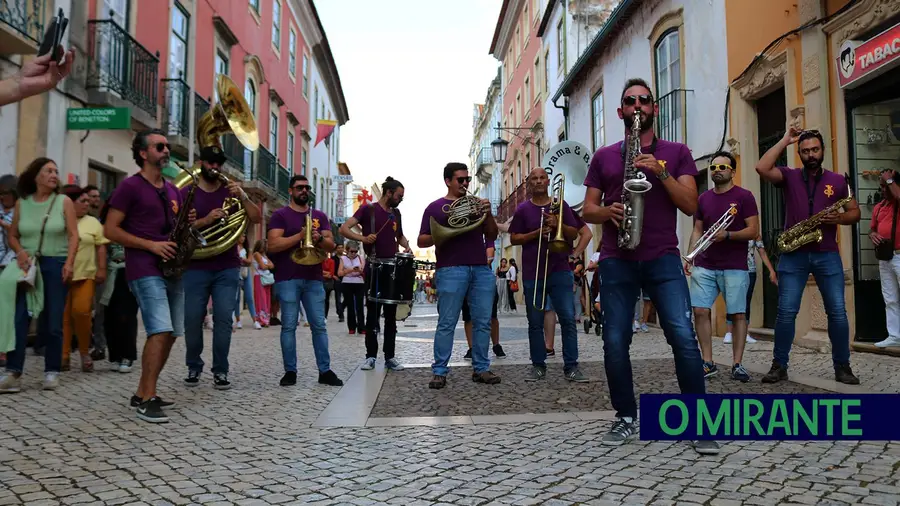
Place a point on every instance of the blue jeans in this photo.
(454, 284)
(199, 285)
(663, 280)
(311, 293)
(793, 271)
(559, 291)
(50, 321)
(247, 285)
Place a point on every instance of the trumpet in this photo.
(706, 239)
(555, 244)
(308, 253)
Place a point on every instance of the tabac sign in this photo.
(859, 62)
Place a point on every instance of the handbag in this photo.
(29, 277)
(885, 250)
(514, 286)
(266, 278)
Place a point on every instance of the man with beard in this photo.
(808, 191)
(218, 277)
(141, 217)
(722, 267)
(654, 266)
(297, 284)
(382, 232)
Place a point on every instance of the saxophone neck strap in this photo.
(811, 192)
(163, 194)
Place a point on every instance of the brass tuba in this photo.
(231, 115)
(464, 214)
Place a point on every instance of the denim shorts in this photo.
(733, 284)
(162, 304)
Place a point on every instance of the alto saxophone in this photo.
(184, 235)
(634, 186)
(808, 230)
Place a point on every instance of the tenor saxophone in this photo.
(634, 186)
(808, 230)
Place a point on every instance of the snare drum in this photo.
(391, 279)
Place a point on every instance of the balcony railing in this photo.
(234, 151)
(117, 63)
(201, 105)
(509, 205)
(175, 103)
(485, 157)
(24, 16)
(671, 124)
(266, 167)
(284, 181)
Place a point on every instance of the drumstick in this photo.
(390, 220)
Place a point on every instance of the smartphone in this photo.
(53, 37)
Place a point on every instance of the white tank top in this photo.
(352, 277)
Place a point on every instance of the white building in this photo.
(647, 39)
(488, 177)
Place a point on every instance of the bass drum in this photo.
(392, 279)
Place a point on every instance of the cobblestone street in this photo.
(257, 443)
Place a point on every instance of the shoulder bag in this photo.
(29, 276)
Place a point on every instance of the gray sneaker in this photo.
(10, 384)
(393, 365)
(577, 376)
(537, 373)
(51, 380)
(369, 364)
(619, 433)
(706, 447)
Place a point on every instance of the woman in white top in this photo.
(511, 275)
(263, 279)
(246, 284)
(353, 285)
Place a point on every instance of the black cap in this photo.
(212, 154)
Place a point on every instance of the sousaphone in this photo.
(230, 115)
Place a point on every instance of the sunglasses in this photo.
(161, 146)
(354, 251)
(301, 187)
(464, 180)
(633, 99)
(718, 167)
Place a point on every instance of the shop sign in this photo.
(858, 61)
(98, 118)
(342, 178)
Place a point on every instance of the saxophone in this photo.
(808, 230)
(634, 186)
(184, 235)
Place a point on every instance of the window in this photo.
(597, 120)
(518, 49)
(519, 111)
(255, 5)
(528, 161)
(305, 75)
(667, 56)
(273, 133)
(290, 153)
(250, 95)
(221, 68)
(527, 94)
(561, 45)
(178, 42)
(316, 105)
(105, 180)
(547, 70)
(276, 25)
(292, 53)
(303, 161)
(537, 72)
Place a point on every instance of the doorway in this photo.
(770, 125)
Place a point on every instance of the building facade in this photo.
(487, 175)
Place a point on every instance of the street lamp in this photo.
(499, 147)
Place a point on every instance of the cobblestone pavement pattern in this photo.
(254, 444)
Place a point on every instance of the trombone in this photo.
(556, 244)
(706, 239)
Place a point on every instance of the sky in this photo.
(411, 71)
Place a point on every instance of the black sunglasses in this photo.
(463, 180)
(160, 146)
(301, 187)
(632, 99)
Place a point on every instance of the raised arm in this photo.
(766, 166)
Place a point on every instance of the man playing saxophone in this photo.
(727, 217)
(218, 276)
(458, 225)
(807, 191)
(654, 265)
(547, 275)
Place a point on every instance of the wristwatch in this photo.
(889, 181)
(662, 176)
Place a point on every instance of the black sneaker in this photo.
(193, 379)
(98, 354)
(710, 369)
(330, 378)
(739, 373)
(468, 355)
(620, 432)
(843, 374)
(777, 373)
(498, 351)
(220, 381)
(706, 447)
(551, 352)
(289, 379)
(151, 411)
(136, 401)
(273, 321)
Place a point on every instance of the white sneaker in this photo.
(750, 340)
(727, 339)
(239, 325)
(114, 366)
(369, 364)
(257, 326)
(51, 380)
(10, 384)
(125, 366)
(890, 341)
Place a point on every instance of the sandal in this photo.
(87, 365)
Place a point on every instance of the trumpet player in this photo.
(218, 276)
(727, 217)
(654, 265)
(462, 224)
(808, 191)
(297, 284)
(547, 274)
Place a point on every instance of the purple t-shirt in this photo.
(830, 188)
(607, 173)
(204, 203)
(711, 206)
(150, 214)
(527, 218)
(464, 249)
(388, 226)
(292, 222)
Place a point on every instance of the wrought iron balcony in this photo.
(201, 106)
(671, 124)
(485, 157)
(266, 167)
(119, 64)
(234, 151)
(175, 103)
(284, 181)
(510, 203)
(21, 25)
